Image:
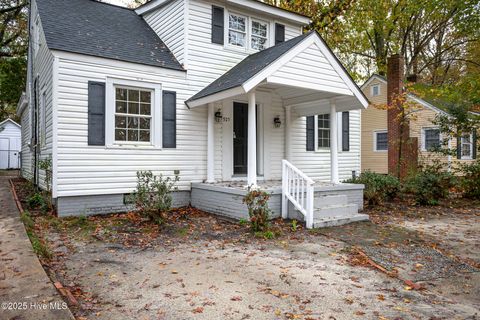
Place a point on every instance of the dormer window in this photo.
(375, 90)
(237, 30)
(259, 35)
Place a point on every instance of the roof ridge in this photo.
(113, 5)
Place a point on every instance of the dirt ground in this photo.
(409, 263)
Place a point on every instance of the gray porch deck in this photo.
(335, 203)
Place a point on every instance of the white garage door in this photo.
(10, 153)
(4, 153)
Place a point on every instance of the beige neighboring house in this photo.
(374, 156)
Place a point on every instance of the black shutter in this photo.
(279, 33)
(311, 133)
(346, 131)
(459, 147)
(474, 144)
(96, 113)
(169, 119)
(217, 25)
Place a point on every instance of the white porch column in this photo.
(333, 143)
(211, 144)
(288, 134)
(252, 140)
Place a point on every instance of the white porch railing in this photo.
(298, 188)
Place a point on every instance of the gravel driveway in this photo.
(205, 268)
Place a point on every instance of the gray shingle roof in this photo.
(248, 68)
(98, 29)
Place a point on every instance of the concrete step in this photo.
(338, 221)
(339, 210)
(329, 200)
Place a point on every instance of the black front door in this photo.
(240, 138)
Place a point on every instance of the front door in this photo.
(240, 138)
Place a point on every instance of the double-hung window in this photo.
(375, 90)
(431, 139)
(324, 131)
(133, 114)
(381, 141)
(259, 37)
(237, 30)
(467, 146)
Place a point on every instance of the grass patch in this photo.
(39, 246)
(265, 234)
(182, 231)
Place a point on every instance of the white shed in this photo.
(10, 144)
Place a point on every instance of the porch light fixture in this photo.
(277, 122)
(218, 116)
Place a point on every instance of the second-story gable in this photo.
(209, 37)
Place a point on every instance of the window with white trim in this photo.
(375, 90)
(381, 141)
(323, 129)
(133, 114)
(431, 139)
(467, 146)
(237, 30)
(259, 36)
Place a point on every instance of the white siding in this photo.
(208, 61)
(42, 65)
(87, 170)
(169, 23)
(310, 69)
(316, 164)
(26, 156)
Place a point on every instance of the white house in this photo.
(222, 93)
(10, 144)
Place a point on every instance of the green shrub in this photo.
(36, 201)
(294, 227)
(378, 187)
(430, 184)
(258, 211)
(267, 235)
(153, 195)
(470, 181)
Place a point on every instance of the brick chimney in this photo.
(402, 150)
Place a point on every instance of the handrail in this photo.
(298, 188)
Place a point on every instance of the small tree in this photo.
(153, 196)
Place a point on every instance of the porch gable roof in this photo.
(262, 65)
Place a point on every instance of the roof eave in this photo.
(10, 120)
(263, 74)
(22, 104)
(235, 91)
(270, 9)
(150, 6)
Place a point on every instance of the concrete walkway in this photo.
(26, 291)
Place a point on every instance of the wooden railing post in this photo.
(284, 190)
(299, 189)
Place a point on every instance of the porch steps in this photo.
(338, 221)
(336, 210)
(329, 200)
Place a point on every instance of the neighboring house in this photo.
(10, 144)
(375, 141)
(210, 91)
